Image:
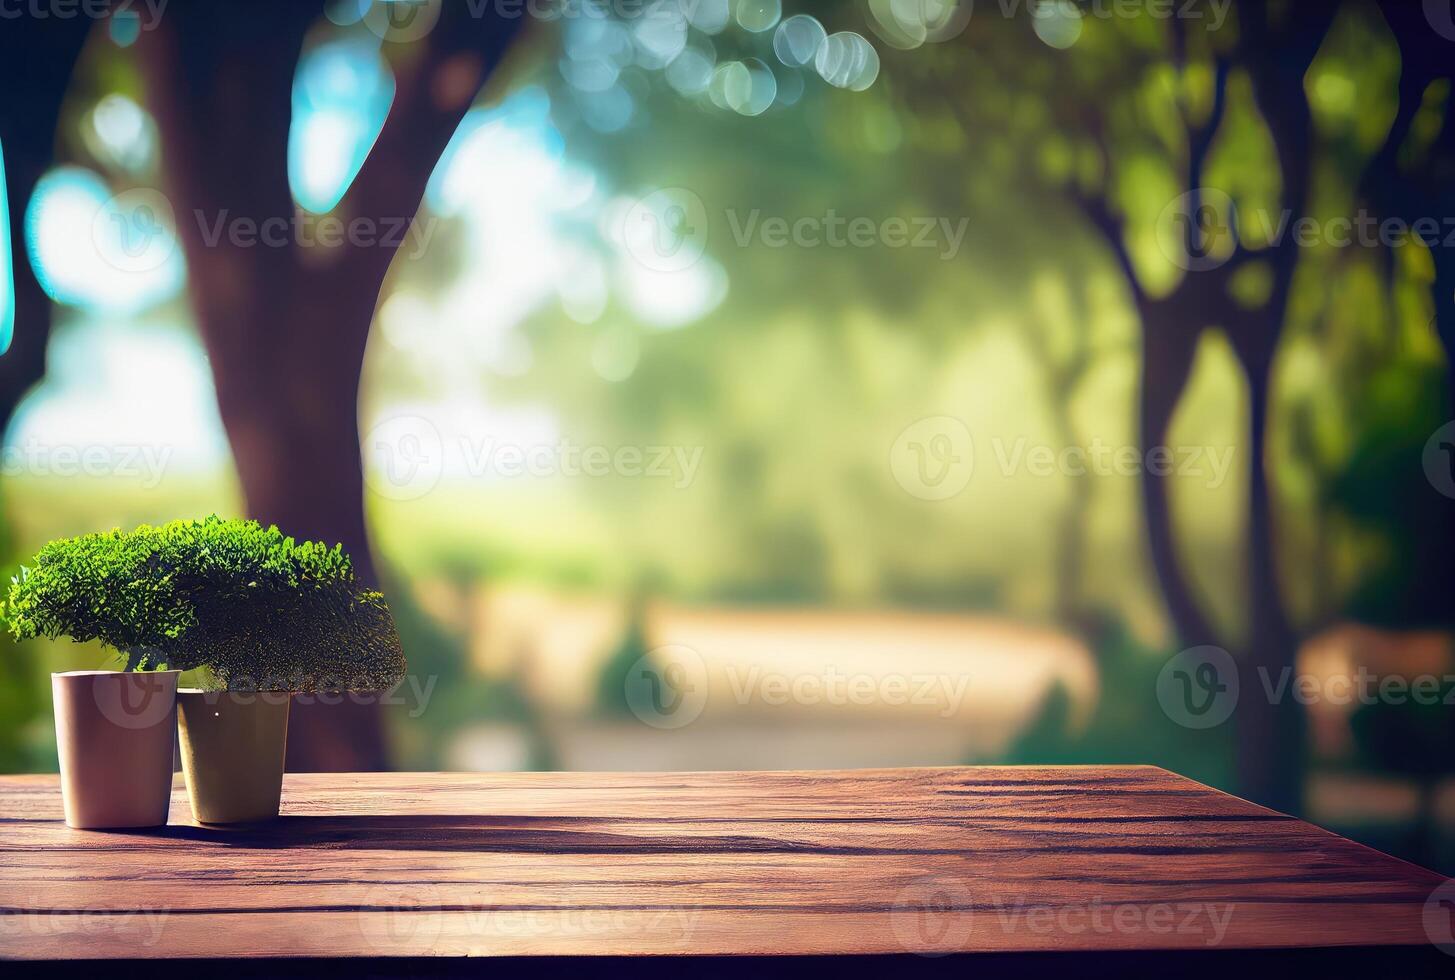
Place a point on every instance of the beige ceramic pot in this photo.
(232, 753)
(114, 734)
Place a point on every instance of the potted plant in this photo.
(273, 618)
(261, 617)
(114, 729)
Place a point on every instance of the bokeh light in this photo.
(757, 16)
(341, 97)
(590, 74)
(1057, 22)
(797, 40)
(142, 387)
(124, 27)
(7, 265)
(660, 36)
(346, 13)
(581, 284)
(763, 88)
(609, 111)
(708, 16)
(670, 299)
(99, 251)
(121, 133)
(691, 71)
(847, 60)
(908, 24)
(732, 83)
(790, 87)
(746, 87)
(590, 38)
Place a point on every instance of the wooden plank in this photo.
(561, 864)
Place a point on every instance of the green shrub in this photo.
(258, 609)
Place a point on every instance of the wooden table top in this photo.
(765, 863)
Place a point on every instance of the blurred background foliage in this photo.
(1060, 138)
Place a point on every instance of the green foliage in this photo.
(1408, 735)
(1126, 725)
(257, 608)
(611, 686)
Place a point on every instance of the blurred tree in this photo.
(1277, 46)
(35, 74)
(1143, 105)
(1412, 176)
(1365, 379)
(1065, 351)
(286, 324)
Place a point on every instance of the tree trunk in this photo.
(1168, 348)
(296, 446)
(1271, 746)
(1443, 299)
(286, 324)
(1270, 731)
(1069, 600)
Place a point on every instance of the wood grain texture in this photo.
(875, 861)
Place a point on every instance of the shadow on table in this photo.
(454, 832)
(1422, 961)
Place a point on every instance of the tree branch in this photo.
(432, 95)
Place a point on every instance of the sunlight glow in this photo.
(534, 229)
(505, 177)
(133, 400)
(121, 132)
(103, 252)
(341, 99)
(7, 265)
(673, 298)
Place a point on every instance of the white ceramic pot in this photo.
(114, 735)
